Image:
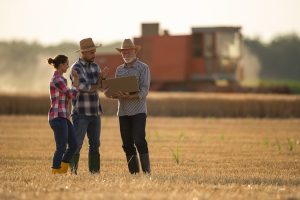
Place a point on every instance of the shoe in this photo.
(64, 166)
(57, 171)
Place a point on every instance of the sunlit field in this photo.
(192, 158)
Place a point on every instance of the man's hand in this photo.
(104, 73)
(102, 76)
(75, 76)
(74, 73)
(127, 95)
(124, 95)
(113, 95)
(119, 95)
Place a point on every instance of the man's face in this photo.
(88, 56)
(128, 55)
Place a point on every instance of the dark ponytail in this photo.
(59, 59)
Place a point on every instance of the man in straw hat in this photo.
(132, 108)
(86, 106)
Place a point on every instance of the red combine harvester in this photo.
(193, 62)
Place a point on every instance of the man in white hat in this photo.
(86, 107)
(132, 108)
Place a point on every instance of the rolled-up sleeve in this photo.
(144, 82)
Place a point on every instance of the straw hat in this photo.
(128, 44)
(87, 44)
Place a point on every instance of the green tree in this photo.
(279, 58)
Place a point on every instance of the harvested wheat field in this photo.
(192, 158)
(176, 104)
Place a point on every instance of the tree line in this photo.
(280, 58)
(20, 60)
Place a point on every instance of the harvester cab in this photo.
(220, 49)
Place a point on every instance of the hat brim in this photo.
(88, 49)
(137, 48)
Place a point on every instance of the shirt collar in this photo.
(133, 65)
(56, 73)
(84, 63)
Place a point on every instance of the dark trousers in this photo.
(64, 135)
(133, 134)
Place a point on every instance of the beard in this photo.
(129, 59)
(91, 60)
(88, 59)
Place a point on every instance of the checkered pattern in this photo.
(86, 103)
(141, 71)
(59, 97)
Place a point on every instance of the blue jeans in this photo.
(64, 135)
(90, 125)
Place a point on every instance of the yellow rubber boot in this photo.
(57, 171)
(64, 167)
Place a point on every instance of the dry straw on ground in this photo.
(192, 158)
(179, 104)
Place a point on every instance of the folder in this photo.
(122, 84)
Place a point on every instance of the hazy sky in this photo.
(53, 21)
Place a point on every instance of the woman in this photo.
(60, 96)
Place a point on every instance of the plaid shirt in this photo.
(86, 103)
(59, 97)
